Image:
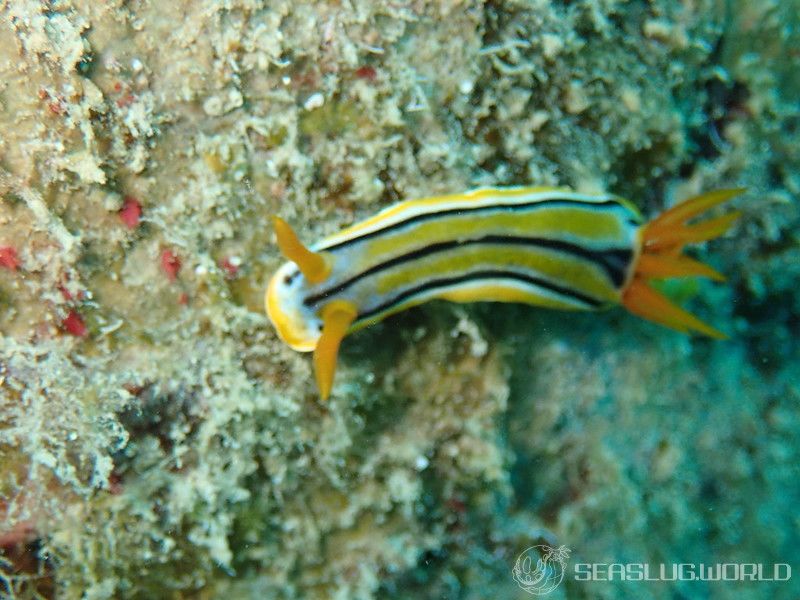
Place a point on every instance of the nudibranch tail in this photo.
(662, 242)
(312, 265)
(337, 316)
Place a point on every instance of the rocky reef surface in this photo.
(157, 439)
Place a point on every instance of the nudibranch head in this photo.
(300, 322)
(297, 325)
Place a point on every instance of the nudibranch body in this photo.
(549, 247)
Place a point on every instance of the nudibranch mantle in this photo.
(545, 246)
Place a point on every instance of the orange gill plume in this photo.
(662, 243)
